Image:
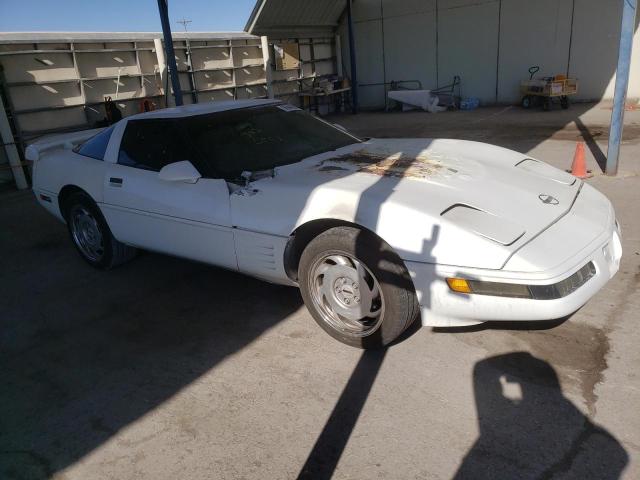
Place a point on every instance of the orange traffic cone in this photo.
(579, 165)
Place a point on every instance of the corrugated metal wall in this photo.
(60, 86)
(317, 60)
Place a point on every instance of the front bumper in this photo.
(442, 307)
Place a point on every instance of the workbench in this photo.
(313, 102)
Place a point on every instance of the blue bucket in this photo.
(469, 103)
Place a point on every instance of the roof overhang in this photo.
(295, 17)
(43, 37)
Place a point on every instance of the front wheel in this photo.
(357, 288)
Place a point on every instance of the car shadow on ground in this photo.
(98, 350)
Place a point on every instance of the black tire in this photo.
(564, 102)
(546, 104)
(400, 304)
(109, 252)
(526, 101)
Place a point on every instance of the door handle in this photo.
(115, 182)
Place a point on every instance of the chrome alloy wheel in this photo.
(346, 294)
(86, 233)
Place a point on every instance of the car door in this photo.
(190, 220)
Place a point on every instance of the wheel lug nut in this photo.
(347, 301)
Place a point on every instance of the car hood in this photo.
(440, 201)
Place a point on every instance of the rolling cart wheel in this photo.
(526, 101)
(564, 102)
(546, 104)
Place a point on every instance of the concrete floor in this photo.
(164, 369)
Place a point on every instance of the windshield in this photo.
(260, 138)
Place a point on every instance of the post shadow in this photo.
(529, 429)
(326, 452)
(323, 459)
(589, 139)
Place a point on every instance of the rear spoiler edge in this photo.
(35, 151)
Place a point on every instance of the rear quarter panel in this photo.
(62, 167)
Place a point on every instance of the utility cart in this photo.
(546, 90)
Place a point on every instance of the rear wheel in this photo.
(91, 235)
(564, 102)
(357, 288)
(526, 101)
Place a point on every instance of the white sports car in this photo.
(375, 233)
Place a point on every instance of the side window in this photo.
(152, 144)
(96, 146)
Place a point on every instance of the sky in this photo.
(121, 15)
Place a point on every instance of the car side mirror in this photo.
(179, 172)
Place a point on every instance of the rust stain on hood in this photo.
(395, 165)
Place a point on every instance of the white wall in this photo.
(410, 56)
(490, 44)
(368, 36)
(596, 27)
(467, 46)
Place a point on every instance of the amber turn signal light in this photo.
(459, 285)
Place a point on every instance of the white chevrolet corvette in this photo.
(375, 233)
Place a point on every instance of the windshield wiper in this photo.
(249, 176)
